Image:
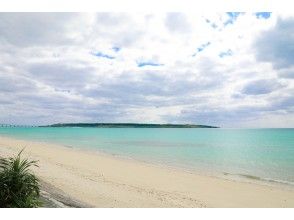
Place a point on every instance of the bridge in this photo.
(15, 126)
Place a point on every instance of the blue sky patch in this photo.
(100, 54)
(263, 15)
(116, 49)
(225, 53)
(232, 17)
(201, 48)
(148, 63)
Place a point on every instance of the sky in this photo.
(224, 69)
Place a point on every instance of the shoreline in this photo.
(238, 177)
(113, 181)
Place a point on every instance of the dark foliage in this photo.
(19, 187)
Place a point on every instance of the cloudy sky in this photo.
(225, 69)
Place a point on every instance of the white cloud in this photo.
(49, 71)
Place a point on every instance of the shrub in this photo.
(19, 187)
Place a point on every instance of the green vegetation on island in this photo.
(128, 125)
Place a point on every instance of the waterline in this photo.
(255, 154)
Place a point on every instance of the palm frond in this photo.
(19, 187)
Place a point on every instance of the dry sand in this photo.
(99, 180)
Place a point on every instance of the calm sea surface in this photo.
(266, 154)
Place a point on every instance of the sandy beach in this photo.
(98, 180)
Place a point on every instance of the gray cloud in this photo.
(31, 29)
(112, 19)
(135, 88)
(10, 83)
(177, 22)
(62, 76)
(116, 28)
(259, 87)
(285, 104)
(287, 73)
(277, 44)
(224, 116)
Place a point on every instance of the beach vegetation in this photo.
(19, 187)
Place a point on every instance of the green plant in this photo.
(19, 187)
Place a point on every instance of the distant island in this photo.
(128, 125)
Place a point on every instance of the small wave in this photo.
(250, 176)
(257, 178)
(68, 146)
(279, 181)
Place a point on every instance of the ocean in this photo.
(255, 154)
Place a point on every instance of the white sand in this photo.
(105, 181)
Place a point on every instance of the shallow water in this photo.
(258, 154)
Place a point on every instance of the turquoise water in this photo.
(267, 154)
